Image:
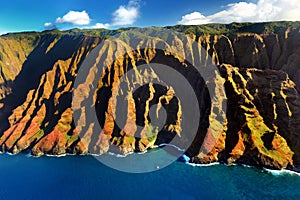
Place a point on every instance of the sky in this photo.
(37, 15)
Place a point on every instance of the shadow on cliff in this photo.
(39, 61)
(142, 94)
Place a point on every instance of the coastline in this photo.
(282, 172)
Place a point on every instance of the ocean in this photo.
(84, 177)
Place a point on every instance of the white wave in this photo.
(281, 172)
(203, 165)
(119, 155)
(29, 155)
(273, 172)
(246, 166)
(171, 145)
(94, 155)
(57, 156)
(142, 153)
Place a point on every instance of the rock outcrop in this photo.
(259, 108)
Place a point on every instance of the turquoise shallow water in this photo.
(83, 177)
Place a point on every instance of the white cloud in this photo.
(263, 10)
(100, 25)
(194, 18)
(126, 15)
(2, 32)
(75, 18)
(49, 25)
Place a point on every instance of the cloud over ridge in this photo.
(124, 15)
(75, 18)
(263, 10)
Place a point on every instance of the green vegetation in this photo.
(39, 134)
(116, 141)
(235, 28)
(71, 139)
(129, 140)
(151, 133)
(226, 29)
(63, 127)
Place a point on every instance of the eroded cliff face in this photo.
(263, 121)
(37, 115)
(258, 71)
(13, 54)
(278, 51)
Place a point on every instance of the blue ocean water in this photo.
(84, 177)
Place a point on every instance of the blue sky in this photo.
(37, 15)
